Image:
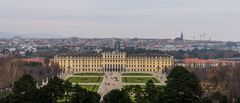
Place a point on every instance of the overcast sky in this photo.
(218, 19)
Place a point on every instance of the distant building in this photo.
(203, 63)
(117, 46)
(33, 60)
(114, 62)
(180, 38)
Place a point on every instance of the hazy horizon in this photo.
(218, 19)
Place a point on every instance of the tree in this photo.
(207, 100)
(138, 94)
(150, 92)
(182, 86)
(238, 100)
(92, 97)
(129, 88)
(80, 95)
(219, 97)
(223, 99)
(216, 95)
(54, 90)
(160, 94)
(24, 85)
(24, 91)
(117, 96)
(14, 67)
(68, 89)
(10, 99)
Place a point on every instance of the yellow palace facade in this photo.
(114, 62)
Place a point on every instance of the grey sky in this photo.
(219, 19)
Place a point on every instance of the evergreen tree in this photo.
(150, 92)
(68, 89)
(138, 94)
(80, 95)
(24, 85)
(117, 96)
(182, 86)
(92, 97)
(207, 100)
(160, 94)
(238, 100)
(24, 90)
(54, 90)
(217, 96)
(223, 99)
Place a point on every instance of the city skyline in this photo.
(218, 19)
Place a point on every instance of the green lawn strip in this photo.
(100, 79)
(125, 79)
(142, 86)
(89, 74)
(133, 99)
(95, 88)
(92, 88)
(139, 79)
(156, 80)
(136, 74)
(85, 79)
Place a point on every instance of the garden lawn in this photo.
(136, 74)
(89, 74)
(139, 79)
(85, 79)
(92, 88)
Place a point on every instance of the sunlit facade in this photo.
(114, 62)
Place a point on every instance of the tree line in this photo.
(182, 86)
(12, 68)
(224, 79)
(195, 53)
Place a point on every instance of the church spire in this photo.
(182, 35)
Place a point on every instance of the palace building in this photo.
(114, 62)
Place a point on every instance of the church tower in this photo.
(117, 46)
(182, 35)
